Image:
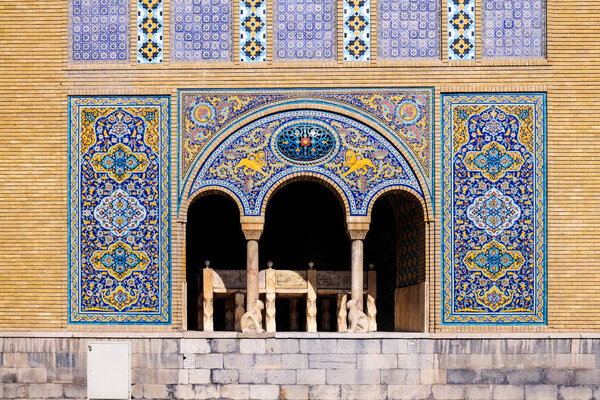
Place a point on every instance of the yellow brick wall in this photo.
(35, 80)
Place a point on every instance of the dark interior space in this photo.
(380, 248)
(305, 222)
(213, 233)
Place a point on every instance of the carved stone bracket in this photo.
(252, 226)
(357, 226)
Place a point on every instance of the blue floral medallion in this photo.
(305, 142)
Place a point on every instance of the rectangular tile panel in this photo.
(494, 208)
(119, 223)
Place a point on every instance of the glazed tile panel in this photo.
(253, 160)
(99, 30)
(493, 205)
(408, 29)
(205, 114)
(150, 21)
(201, 30)
(253, 30)
(119, 227)
(514, 28)
(357, 30)
(305, 29)
(461, 29)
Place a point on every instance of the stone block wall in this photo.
(315, 366)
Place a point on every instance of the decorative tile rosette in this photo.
(493, 208)
(119, 223)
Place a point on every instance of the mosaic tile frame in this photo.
(99, 28)
(193, 39)
(494, 242)
(150, 26)
(119, 210)
(461, 30)
(405, 113)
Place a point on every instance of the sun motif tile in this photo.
(493, 208)
(119, 210)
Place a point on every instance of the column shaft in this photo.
(357, 273)
(251, 272)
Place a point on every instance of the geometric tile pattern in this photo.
(514, 28)
(201, 30)
(410, 231)
(406, 113)
(305, 29)
(351, 155)
(461, 29)
(408, 29)
(493, 208)
(150, 23)
(99, 30)
(253, 30)
(357, 30)
(119, 201)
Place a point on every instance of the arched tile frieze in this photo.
(354, 158)
(404, 116)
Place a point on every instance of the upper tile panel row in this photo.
(305, 30)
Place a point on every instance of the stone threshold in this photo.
(296, 335)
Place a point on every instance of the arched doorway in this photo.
(395, 245)
(304, 224)
(213, 234)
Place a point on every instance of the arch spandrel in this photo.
(402, 115)
(250, 163)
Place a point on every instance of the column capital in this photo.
(252, 226)
(357, 226)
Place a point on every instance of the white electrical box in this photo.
(109, 370)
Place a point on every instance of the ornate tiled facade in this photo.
(119, 223)
(461, 30)
(359, 162)
(405, 113)
(253, 30)
(305, 29)
(357, 30)
(514, 28)
(493, 208)
(408, 29)
(150, 21)
(202, 30)
(99, 30)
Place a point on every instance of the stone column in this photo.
(357, 227)
(252, 226)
